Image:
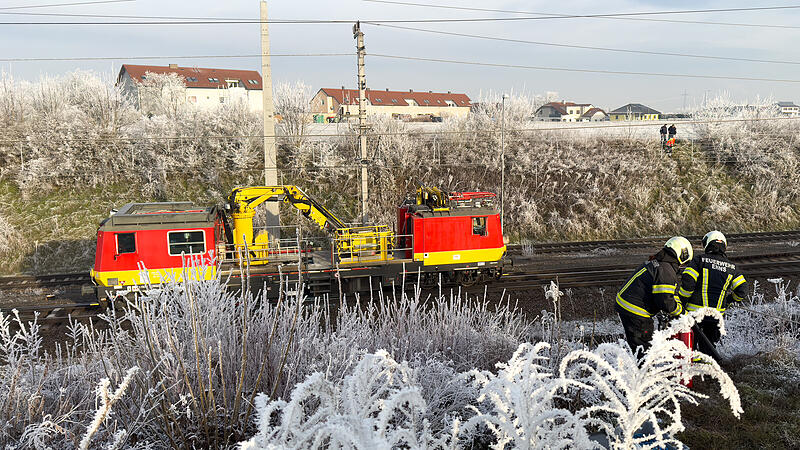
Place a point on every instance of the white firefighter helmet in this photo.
(714, 236)
(682, 248)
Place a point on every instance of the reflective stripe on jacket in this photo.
(651, 289)
(709, 280)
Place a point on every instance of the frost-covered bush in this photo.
(523, 411)
(204, 353)
(437, 372)
(765, 324)
(636, 404)
(9, 236)
(628, 393)
(376, 407)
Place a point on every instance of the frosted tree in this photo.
(293, 105)
(637, 402)
(162, 94)
(522, 400)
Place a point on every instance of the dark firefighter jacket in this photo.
(652, 289)
(708, 280)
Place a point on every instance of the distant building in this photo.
(569, 112)
(206, 88)
(331, 103)
(634, 111)
(789, 109)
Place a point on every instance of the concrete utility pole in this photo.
(270, 153)
(358, 35)
(503, 162)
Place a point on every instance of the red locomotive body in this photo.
(467, 230)
(156, 237)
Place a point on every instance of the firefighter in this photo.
(711, 280)
(651, 289)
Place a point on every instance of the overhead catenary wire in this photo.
(52, 5)
(112, 58)
(177, 20)
(582, 47)
(617, 16)
(636, 13)
(575, 69)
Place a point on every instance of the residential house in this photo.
(206, 88)
(593, 115)
(569, 112)
(341, 103)
(789, 109)
(634, 111)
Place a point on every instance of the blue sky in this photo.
(607, 91)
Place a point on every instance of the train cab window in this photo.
(479, 226)
(187, 242)
(126, 243)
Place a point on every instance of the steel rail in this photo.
(34, 281)
(655, 241)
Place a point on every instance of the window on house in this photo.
(253, 81)
(213, 80)
(427, 101)
(232, 83)
(126, 243)
(191, 79)
(144, 77)
(186, 242)
(378, 100)
(479, 226)
(394, 100)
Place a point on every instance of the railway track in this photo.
(753, 266)
(656, 241)
(785, 264)
(30, 281)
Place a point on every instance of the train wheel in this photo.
(467, 277)
(430, 280)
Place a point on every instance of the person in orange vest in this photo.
(668, 147)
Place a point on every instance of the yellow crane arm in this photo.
(244, 200)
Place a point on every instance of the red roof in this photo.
(558, 106)
(592, 112)
(197, 76)
(397, 98)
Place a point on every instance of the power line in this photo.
(65, 4)
(148, 20)
(607, 16)
(245, 20)
(574, 16)
(109, 58)
(567, 69)
(217, 19)
(584, 47)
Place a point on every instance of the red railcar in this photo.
(467, 230)
(149, 242)
(457, 236)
